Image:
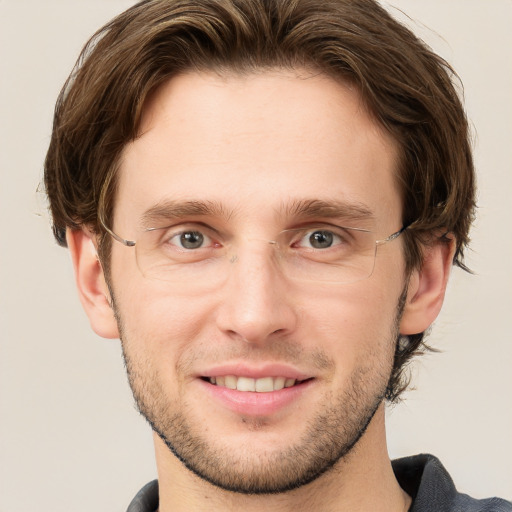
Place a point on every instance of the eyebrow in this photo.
(307, 208)
(171, 209)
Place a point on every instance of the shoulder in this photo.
(426, 480)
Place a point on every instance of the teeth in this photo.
(230, 382)
(279, 383)
(288, 383)
(245, 384)
(263, 385)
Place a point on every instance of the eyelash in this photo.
(337, 238)
(178, 235)
(303, 234)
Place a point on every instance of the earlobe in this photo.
(427, 287)
(90, 281)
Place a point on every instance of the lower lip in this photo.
(252, 403)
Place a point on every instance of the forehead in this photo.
(253, 143)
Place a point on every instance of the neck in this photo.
(362, 481)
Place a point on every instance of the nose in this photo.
(257, 300)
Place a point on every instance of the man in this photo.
(263, 200)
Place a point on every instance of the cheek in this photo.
(151, 308)
(159, 333)
(352, 324)
(157, 324)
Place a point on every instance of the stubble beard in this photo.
(329, 437)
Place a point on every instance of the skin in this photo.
(257, 145)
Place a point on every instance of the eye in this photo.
(320, 239)
(190, 240)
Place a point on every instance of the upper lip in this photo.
(255, 371)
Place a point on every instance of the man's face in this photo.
(239, 160)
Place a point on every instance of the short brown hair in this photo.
(407, 88)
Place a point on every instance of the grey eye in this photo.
(321, 239)
(191, 239)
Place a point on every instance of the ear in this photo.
(91, 284)
(427, 287)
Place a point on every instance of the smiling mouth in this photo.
(261, 385)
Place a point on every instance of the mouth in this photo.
(248, 384)
(255, 392)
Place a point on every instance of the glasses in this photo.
(195, 255)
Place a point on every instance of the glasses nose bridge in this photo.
(262, 240)
(255, 250)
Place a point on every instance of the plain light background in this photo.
(70, 438)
